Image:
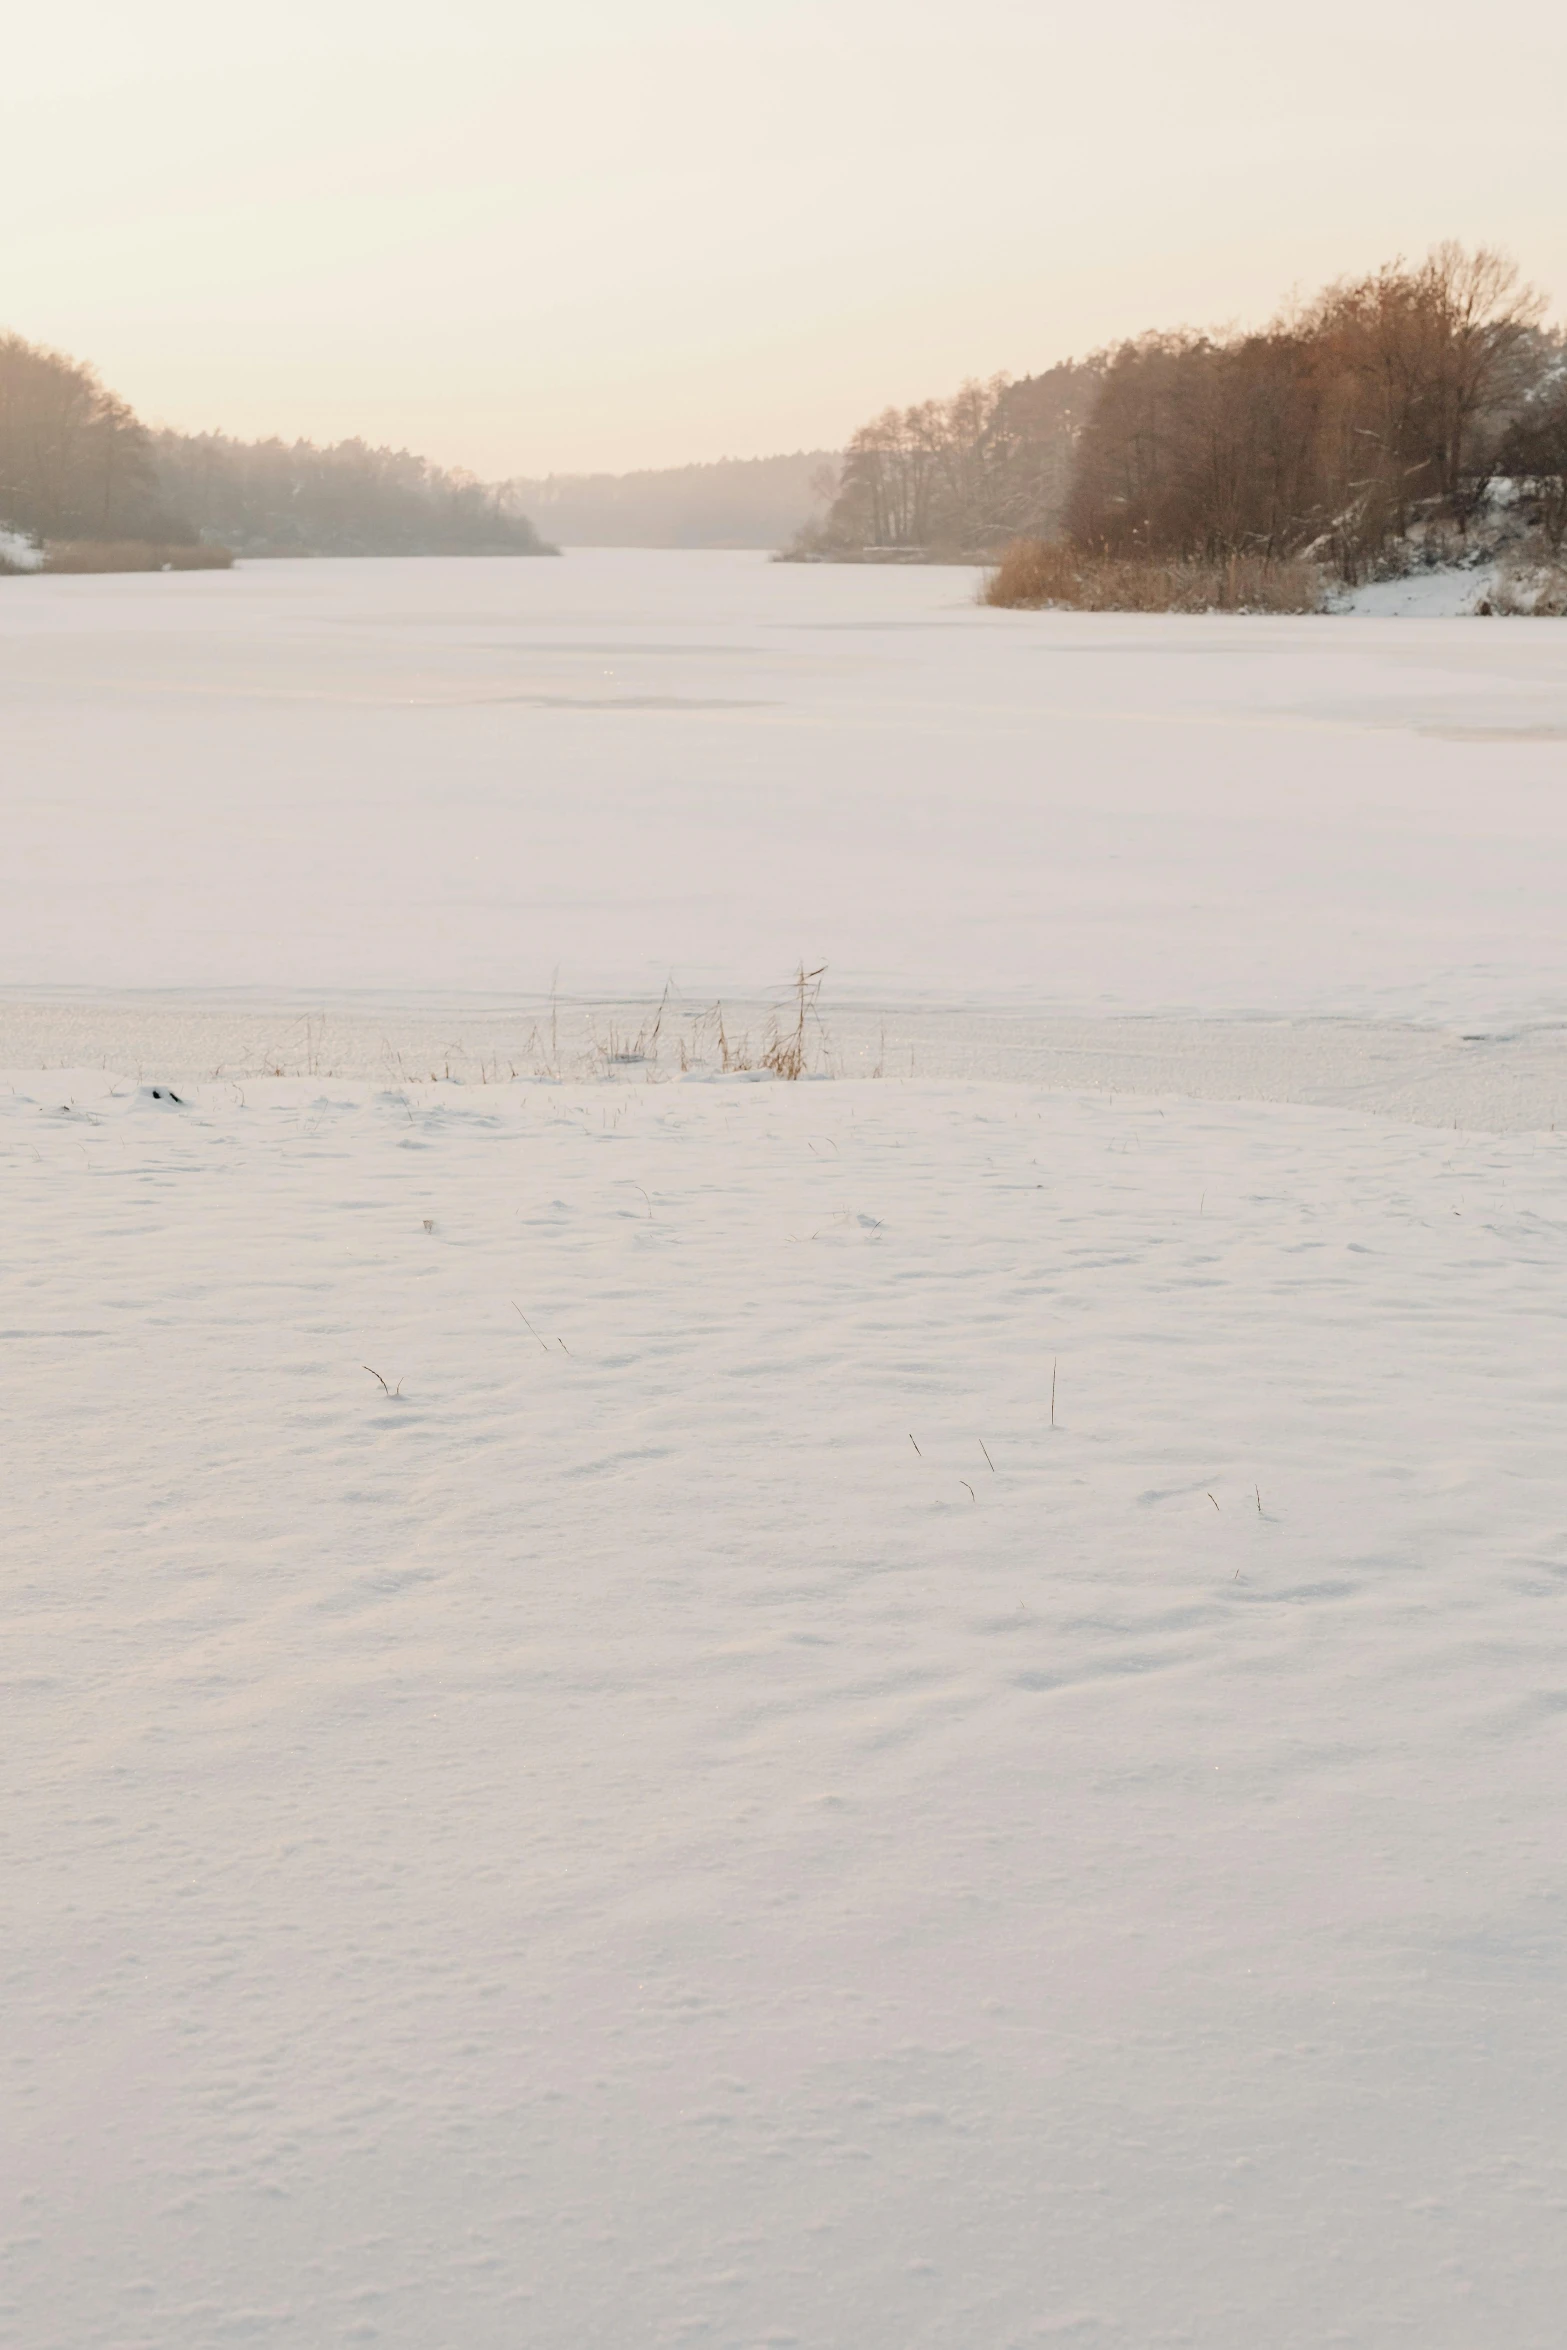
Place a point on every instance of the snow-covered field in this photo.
(701, 1816)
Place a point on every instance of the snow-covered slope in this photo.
(1448, 593)
(700, 1816)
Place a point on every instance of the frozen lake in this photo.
(647, 1707)
(437, 779)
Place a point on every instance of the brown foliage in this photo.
(1384, 402)
(1033, 574)
(74, 461)
(1329, 431)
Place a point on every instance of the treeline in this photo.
(1389, 402)
(733, 502)
(958, 476)
(76, 465)
(1389, 399)
(291, 498)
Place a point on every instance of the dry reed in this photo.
(1036, 574)
(791, 1038)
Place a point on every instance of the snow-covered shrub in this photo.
(18, 552)
(1535, 590)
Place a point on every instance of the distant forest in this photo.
(291, 498)
(736, 502)
(1388, 404)
(78, 467)
(1381, 412)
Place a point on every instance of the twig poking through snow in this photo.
(394, 1392)
(527, 1325)
(916, 1447)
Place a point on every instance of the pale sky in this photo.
(614, 233)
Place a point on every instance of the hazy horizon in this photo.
(650, 239)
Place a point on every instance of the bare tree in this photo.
(961, 475)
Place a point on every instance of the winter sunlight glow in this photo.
(527, 238)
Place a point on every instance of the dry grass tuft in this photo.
(131, 555)
(793, 1039)
(1036, 574)
(787, 1052)
(632, 1048)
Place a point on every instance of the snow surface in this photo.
(1445, 593)
(647, 1834)
(471, 776)
(584, 1766)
